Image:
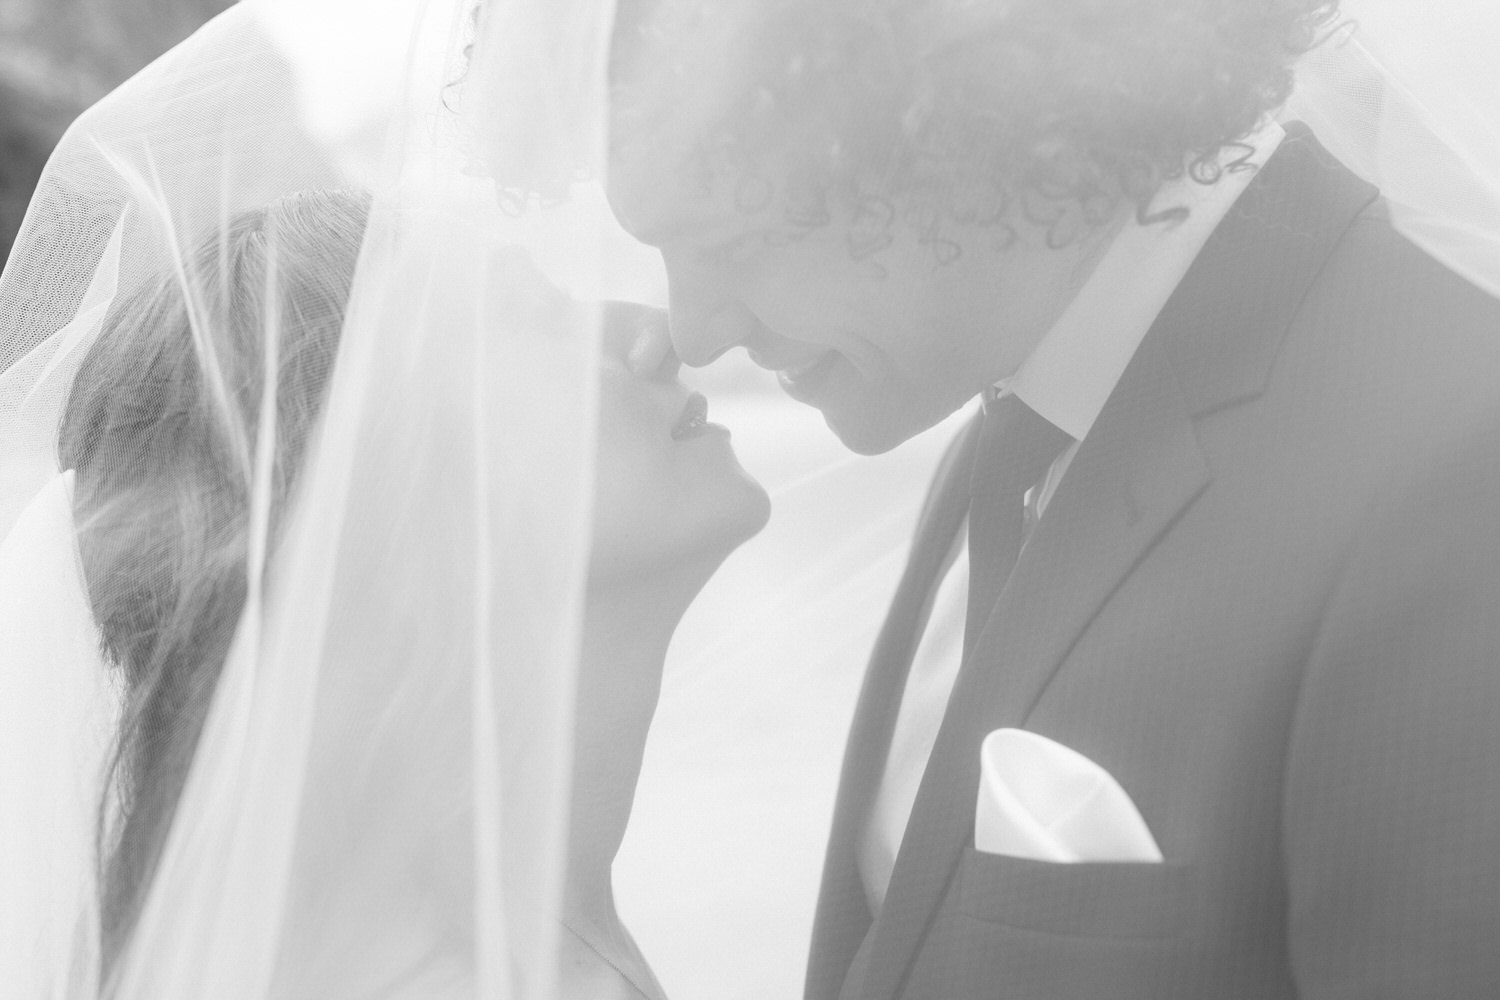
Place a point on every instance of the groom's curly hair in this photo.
(948, 111)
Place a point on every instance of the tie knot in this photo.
(1016, 446)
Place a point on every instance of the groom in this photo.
(1191, 687)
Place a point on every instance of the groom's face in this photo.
(884, 333)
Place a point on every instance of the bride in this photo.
(157, 502)
(358, 521)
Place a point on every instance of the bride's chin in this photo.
(753, 511)
(739, 519)
(673, 546)
(682, 567)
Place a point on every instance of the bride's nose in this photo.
(638, 335)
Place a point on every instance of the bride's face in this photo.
(669, 490)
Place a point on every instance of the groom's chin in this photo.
(866, 428)
(864, 437)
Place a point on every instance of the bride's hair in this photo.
(160, 429)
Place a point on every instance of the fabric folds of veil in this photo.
(376, 802)
(1404, 95)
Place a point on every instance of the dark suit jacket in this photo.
(1300, 693)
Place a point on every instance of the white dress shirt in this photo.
(1067, 379)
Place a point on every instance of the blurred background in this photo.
(59, 56)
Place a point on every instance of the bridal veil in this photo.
(376, 800)
(392, 549)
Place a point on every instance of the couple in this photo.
(1191, 684)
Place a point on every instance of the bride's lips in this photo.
(693, 420)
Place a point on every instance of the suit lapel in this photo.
(1116, 504)
(1213, 346)
(1223, 327)
(842, 915)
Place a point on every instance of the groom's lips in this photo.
(802, 381)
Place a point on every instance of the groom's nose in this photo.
(704, 321)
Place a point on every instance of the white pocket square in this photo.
(1043, 801)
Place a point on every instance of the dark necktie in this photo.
(1016, 446)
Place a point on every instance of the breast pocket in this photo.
(1014, 928)
(1142, 901)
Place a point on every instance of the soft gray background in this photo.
(59, 56)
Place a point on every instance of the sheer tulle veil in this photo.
(378, 792)
(397, 207)
(1403, 94)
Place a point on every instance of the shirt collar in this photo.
(1072, 371)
